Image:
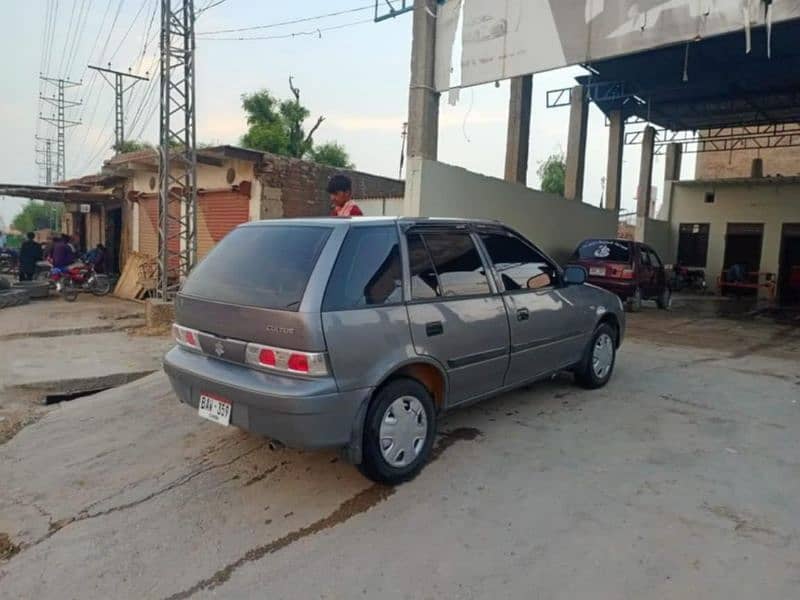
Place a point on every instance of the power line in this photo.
(208, 6)
(318, 32)
(292, 22)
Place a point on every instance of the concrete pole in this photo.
(616, 144)
(423, 100)
(645, 182)
(519, 129)
(672, 170)
(576, 144)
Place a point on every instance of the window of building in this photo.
(368, 271)
(710, 197)
(693, 244)
(519, 266)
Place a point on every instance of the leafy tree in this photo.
(331, 153)
(551, 173)
(38, 215)
(277, 126)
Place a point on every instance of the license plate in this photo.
(214, 409)
(599, 271)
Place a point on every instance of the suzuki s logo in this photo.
(219, 349)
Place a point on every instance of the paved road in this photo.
(679, 480)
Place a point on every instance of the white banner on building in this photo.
(504, 38)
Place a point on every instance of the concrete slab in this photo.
(100, 360)
(678, 480)
(53, 317)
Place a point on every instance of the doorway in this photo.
(743, 243)
(789, 265)
(113, 239)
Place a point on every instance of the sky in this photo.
(355, 76)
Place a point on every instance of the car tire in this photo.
(599, 358)
(664, 300)
(634, 303)
(405, 407)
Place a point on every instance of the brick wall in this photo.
(724, 165)
(296, 188)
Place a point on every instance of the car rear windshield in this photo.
(267, 267)
(605, 250)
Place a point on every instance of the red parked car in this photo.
(632, 270)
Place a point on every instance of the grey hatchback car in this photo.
(358, 333)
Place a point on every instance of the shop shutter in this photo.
(218, 213)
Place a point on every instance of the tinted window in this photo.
(654, 259)
(424, 283)
(605, 250)
(519, 266)
(457, 263)
(368, 271)
(266, 267)
(644, 257)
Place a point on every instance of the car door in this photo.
(659, 279)
(549, 324)
(645, 271)
(455, 314)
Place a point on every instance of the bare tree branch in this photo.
(295, 91)
(308, 142)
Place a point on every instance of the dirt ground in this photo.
(678, 480)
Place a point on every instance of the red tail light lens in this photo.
(188, 338)
(267, 357)
(298, 362)
(627, 274)
(286, 361)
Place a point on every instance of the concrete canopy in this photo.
(707, 83)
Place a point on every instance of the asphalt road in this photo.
(680, 479)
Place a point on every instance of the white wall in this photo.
(557, 225)
(658, 235)
(381, 207)
(770, 203)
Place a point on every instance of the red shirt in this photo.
(348, 209)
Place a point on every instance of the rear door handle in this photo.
(523, 314)
(434, 328)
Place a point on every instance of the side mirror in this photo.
(575, 275)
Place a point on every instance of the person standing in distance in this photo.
(340, 189)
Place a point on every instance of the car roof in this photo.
(342, 221)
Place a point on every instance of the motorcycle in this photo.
(684, 278)
(79, 277)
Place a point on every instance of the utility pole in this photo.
(61, 104)
(177, 165)
(46, 161)
(119, 94)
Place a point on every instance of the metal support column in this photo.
(177, 207)
(61, 104)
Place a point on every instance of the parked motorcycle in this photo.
(684, 278)
(79, 277)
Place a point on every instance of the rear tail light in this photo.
(620, 272)
(188, 338)
(286, 361)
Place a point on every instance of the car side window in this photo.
(519, 265)
(644, 256)
(655, 260)
(424, 282)
(368, 271)
(457, 266)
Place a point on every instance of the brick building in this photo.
(736, 164)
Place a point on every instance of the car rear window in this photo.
(267, 267)
(605, 250)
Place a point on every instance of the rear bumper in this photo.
(622, 289)
(301, 413)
